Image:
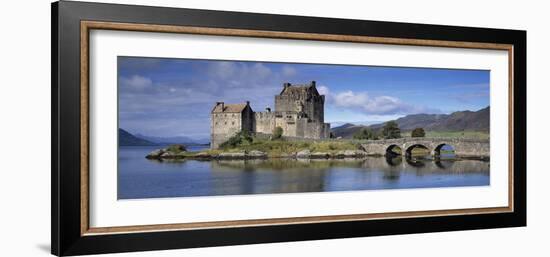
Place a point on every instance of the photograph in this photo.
(198, 127)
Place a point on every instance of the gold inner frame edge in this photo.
(86, 26)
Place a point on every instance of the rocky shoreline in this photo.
(166, 153)
(179, 152)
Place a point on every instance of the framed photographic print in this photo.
(178, 128)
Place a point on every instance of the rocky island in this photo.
(266, 149)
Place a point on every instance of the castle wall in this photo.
(313, 107)
(248, 119)
(287, 121)
(315, 130)
(264, 122)
(326, 132)
(284, 103)
(223, 126)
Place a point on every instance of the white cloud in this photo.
(222, 70)
(364, 103)
(323, 90)
(238, 74)
(288, 71)
(136, 82)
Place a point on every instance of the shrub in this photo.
(176, 148)
(391, 130)
(240, 138)
(277, 133)
(418, 132)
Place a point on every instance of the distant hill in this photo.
(174, 140)
(347, 130)
(127, 139)
(456, 121)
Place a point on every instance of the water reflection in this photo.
(394, 160)
(141, 178)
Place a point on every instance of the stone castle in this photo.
(299, 111)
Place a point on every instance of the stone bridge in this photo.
(463, 147)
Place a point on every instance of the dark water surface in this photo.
(142, 178)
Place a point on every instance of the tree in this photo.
(391, 130)
(364, 133)
(418, 132)
(277, 132)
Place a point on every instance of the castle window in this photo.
(233, 123)
(225, 123)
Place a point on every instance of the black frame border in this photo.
(66, 238)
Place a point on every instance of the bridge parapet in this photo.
(464, 147)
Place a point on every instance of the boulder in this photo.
(256, 154)
(304, 154)
(288, 155)
(339, 154)
(167, 155)
(319, 155)
(349, 153)
(360, 153)
(237, 155)
(155, 154)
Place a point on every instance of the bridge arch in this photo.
(393, 150)
(409, 149)
(442, 147)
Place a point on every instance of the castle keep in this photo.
(299, 111)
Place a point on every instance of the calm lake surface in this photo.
(142, 178)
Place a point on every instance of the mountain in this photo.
(174, 140)
(127, 139)
(347, 130)
(456, 121)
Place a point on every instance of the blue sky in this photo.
(173, 97)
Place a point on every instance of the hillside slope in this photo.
(456, 121)
(127, 139)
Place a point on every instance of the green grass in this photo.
(276, 148)
(176, 148)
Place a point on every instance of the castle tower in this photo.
(303, 99)
(229, 119)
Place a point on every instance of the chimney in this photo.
(313, 83)
(220, 103)
(267, 109)
(247, 102)
(286, 85)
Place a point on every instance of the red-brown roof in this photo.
(232, 108)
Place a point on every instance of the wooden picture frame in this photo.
(71, 25)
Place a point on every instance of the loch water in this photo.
(140, 178)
